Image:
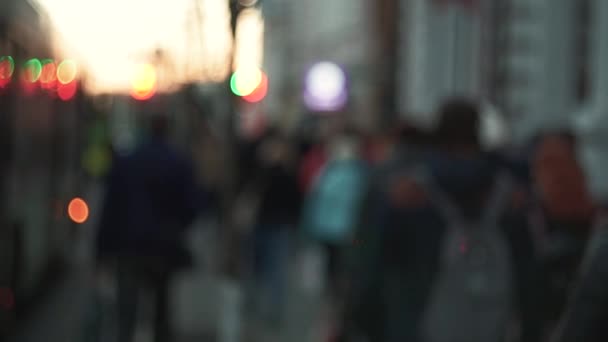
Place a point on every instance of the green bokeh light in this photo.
(245, 80)
(233, 84)
(33, 69)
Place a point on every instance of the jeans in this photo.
(271, 258)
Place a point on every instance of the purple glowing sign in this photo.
(325, 87)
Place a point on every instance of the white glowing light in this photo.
(325, 87)
(326, 80)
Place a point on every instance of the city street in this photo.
(199, 299)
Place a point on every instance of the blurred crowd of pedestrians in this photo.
(427, 235)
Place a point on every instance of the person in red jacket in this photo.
(311, 166)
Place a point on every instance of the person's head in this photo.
(413, 135)
(560, 178)
(458, 124)
(275, 146)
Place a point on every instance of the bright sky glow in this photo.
(110, 37)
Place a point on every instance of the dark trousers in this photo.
(137, 276)
(333, 268)
(271, 264)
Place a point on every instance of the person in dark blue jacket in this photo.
(151, 198)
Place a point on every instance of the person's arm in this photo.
(194, 198)
(527, 274)
(587, 314)
(364, 257)
(107, 229)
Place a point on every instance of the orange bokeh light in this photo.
(48, 77)
(78, 210)
(6, 72)
(142, 94)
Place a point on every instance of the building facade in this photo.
(538, 61)
(300, 33)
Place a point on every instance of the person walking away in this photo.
(565, 214)
(150, 200)
(277, 214)
(442, 244)
(333, 204)
(586, 312)
(331, 213)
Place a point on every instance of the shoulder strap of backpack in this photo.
(450, 211)
(498, 200)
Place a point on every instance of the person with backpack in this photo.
(442, 255)
(151, 199)
(332, 206)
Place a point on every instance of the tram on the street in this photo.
(40, 149)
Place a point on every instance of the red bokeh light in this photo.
(260, 92)
(67, 91)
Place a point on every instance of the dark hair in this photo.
(411, 134)
(458, 123)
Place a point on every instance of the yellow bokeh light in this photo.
(246, 80)
(144, 78)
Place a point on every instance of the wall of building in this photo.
(527, 63)
(440, 50)
(300, 33)
(593, 120)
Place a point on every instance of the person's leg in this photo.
(128, 300)
(277, 271)
(162, 327)
(332, 268)
(263, 246)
